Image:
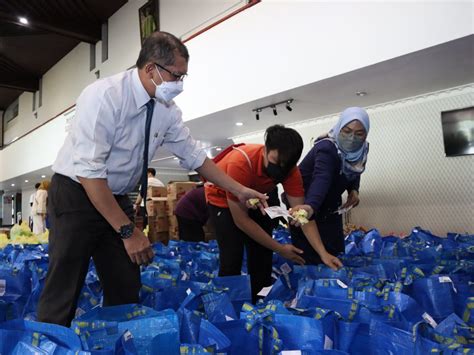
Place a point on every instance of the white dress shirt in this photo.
(107, 135)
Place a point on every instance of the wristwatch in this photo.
(126, 230)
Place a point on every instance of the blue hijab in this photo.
(353, 163)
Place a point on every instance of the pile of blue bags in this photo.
(412, 295)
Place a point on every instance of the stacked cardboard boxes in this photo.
(160, 206)
(156, 208)
(176, 190)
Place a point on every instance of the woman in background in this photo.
(192, 214)
(332, 166)
(39, 208)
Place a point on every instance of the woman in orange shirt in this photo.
(260, 167)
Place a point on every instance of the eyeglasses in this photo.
(178, 76)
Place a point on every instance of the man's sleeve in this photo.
(93, 134)
(178, 141)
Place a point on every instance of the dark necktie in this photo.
(149, 114)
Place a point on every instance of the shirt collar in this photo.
(139, 92)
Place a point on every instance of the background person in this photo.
(334, 165)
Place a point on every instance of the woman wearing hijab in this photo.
(332, 166)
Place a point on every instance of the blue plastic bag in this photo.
(23, 337)
(152, 331)
(435, 294)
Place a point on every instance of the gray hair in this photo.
(160, 47)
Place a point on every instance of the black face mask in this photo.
(275, 172)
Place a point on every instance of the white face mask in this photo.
(167, 90)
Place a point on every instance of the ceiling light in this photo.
(218, 149)
(175, 158)
(43, 176)
(361, 93)
(13, 184)
(26, 181)
(239, 124)
(274, 106)
(23, 20)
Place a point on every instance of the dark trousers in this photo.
(231, 241)
(332, 236)
(189, 230)
(79, 232)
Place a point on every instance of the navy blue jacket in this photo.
(323, 181)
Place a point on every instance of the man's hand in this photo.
(247, 194)
(331, 261)
(138, 248)
(352, 199)
(290, 252)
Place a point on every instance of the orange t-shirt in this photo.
(250, 172)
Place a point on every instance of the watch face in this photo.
(126, 231)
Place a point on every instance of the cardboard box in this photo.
(159, 237)
(153, 191)
(174, 235)
(171, 206)
(139, 222)
(158, 224)
(157, 206)
(176, 190)
(173, 221)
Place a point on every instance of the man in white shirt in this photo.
(120, 122)
(32, 200)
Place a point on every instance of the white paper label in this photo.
(429, 319)
(3, 287)
(127, 335)
(291, 352)
(285, 268)
(443, 279)
(294, 302)
(227, 318)
(265, 291)
(184, 277)
(328, 343)
(343, 210)
(277, 211)
(340, 283)
(188, 291)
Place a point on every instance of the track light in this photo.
(287, 104)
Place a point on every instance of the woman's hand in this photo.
(352, 199)
(309, 210)
(331, 261)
